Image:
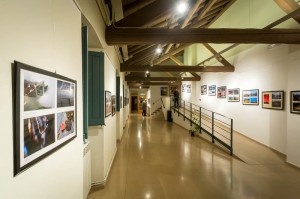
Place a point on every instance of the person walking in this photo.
(144, 113)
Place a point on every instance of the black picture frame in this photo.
(108, 105)
(273, 100)
(164, 90)
(295, 102)
(45, 114)
(250, 97)
(113, 105)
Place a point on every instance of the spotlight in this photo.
(147, 72)
(140, 86)
(182, 7)
(158, 50)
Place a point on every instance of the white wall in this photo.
(293, 135)
(267, 70)
(103, 138)
(155, 95)
(45, 34)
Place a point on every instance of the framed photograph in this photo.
(273, 100)
(204, 90)
(44, 114)
(121, 99)
(188, 88)
(251, 97)
(173, 88)
(233, 95)
(221, 92)
(212, 90)
(108, 105)
(113, 105)
(183, 88)
(295, 102)
(164, 91)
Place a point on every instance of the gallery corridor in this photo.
(160, 160)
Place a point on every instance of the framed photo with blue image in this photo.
(44, 114)
(251, 97)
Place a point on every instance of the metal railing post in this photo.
(212, 128)
(191, 115)
(200, 119)
(184, 110)
(231, 137)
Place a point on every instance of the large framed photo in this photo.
(221, 92)
(164, 91)
(212, 90)
(44, 114)
(273, 100)
(203, 89)
(251, 97)
(108, 105)
(295, 102)
(113, 105)
(233, 95)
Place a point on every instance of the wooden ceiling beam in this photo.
(147, 14)
(136, 84)
(175, 68)
(139, 36)
(161, 79)
(219, 57)
(166, 56)
(289, 6)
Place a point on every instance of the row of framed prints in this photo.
(270, 99)
(110, 103)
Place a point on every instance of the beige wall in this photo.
(45, 34)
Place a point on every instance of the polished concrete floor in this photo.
(157, 159)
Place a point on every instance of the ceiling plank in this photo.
(141, 56)
(130, 36)
(147, 14)
(161, 79)
(133, 7)
(191, 13)
(206, 8)
(175, 68)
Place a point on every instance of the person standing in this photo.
(176, 98)
(144, 113)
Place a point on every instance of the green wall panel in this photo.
(96, 89)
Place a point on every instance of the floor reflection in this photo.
(158, 159)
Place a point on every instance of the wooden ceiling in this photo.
(149, 24)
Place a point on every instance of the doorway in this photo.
(134, 104)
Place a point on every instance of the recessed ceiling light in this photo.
(182, 7)
(158, 50)
(147, 72)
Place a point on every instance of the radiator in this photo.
(86, 170)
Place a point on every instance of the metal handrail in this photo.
(212, 123)
(159, 99)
